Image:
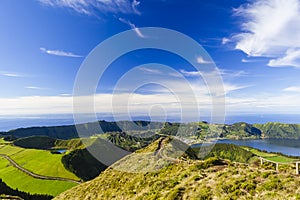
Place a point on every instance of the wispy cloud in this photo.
(59, 53)
(190, 73)
(133, 26)
(10, 74)
(292, 89)
(270, 28)
(93, 7)
(291, 58)
(225, 40)
(251, 60)
(223, 73)
(65, 94)
(34, 88)
(150, 70)
(233, 73)
(201, 60)
(134, 6)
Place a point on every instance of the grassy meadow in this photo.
(271, 156)
(38, 161)
(23, 182)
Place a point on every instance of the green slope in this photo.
(38, 161)
(23, 182)
(184, 178)
(279, 130)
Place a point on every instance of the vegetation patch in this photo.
(20, 181)
(40, 162)
(5, 191)
(224, 151)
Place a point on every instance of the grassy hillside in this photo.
(84, 165)
(241, 130)
(131, 142)
(16, 179)
(35, 142)
(184, 178)
(38, 161)
(276, 157)
(279, 130)
(6, 190)
(46, 143)
(225, 151)
(72, 144)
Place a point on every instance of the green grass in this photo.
(2, 141)
(38, 161)
(281, 159)
(189, 180)
(9, 150)
(270, 156)
(17, 179)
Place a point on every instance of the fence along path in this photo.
(277, 163)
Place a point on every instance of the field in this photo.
(38, 161)
(2, 141)
(17, 179)
(270, 156)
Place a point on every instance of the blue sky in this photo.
(255, 44)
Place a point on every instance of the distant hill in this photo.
(203, 130)
(279, 130)
(35, 142)
(89, 129)
(241, 130)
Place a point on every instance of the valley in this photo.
(39, 164)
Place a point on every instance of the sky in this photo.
(254, 44)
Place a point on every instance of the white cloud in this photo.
(34, 88)
(133, 26)
(291, 58)
(292, 89)
(59, 53)
(250, 60)
(190, 73)
(90, 7)
(201, 60)
(134, 6)
(225, 40)
(140, 104)
(223, 73)
(150, 70)
(270, 28)
(10, 74)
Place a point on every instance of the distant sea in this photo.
(13, 122)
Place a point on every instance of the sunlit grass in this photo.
(270, 156)
(41, 162)
(23, 182)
